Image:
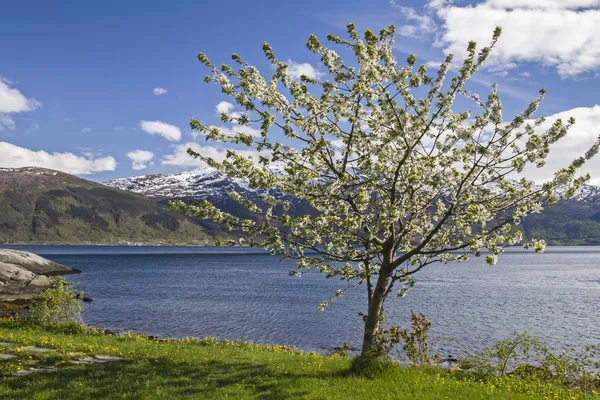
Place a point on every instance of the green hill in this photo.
(44, 206)
(570, 222)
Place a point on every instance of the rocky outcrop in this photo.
(22, 274)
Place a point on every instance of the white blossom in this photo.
(396, 181)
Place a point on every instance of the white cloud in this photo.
(12, 156)
(435, 4)
(503, 67)
(227, 108)
(230, 131)
(577, 141)
(168, 131)
(89, 152)
(140, 159)
(224, 107)
(239, 129)
(337, 143)
(86, 130)
(408, 30)
(556, 33)
(13, 101)
(6, 121)
(420, 24)
(433, 64)
(296, 70)
(68, 119)
(159, 91)
(544, 4)
(181, 158)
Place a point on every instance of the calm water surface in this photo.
(239, 293)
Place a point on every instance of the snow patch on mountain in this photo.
(208, 183)
(200, 183)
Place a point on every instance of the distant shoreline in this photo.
(550, 244)
(118, 245)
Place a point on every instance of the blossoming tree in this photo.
(398, 179)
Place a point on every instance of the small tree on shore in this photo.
(397, 178)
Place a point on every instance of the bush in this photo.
(523, 355)
(416, 341)
(58, 304)
(415, 345)
(504, 356)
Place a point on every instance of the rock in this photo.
(36, 349)
(83, 361)
(22, 274)
(98, 359)
(24, 372)
(81, 297)
(103, 359)
(449, 360)
(34, 263)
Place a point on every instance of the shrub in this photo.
(416, 341)
(525, 356)
(342, 351)
(58, 304)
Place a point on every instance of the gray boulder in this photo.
(22, 274)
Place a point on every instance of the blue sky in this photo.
(77, 79)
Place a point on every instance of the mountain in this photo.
(200, 184)
(570, 222)
(39, 205)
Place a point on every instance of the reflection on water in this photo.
(234, 293)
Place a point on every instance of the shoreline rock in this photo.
(23, 274)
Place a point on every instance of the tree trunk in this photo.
(374, 314)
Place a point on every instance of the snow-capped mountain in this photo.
(588, 193)
(570, 222)
(208, 183)
(202, 183)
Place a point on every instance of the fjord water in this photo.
(241, 293)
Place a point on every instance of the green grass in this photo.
(205, 369)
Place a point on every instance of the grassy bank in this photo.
(203, 368)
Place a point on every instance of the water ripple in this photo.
(244, 293)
